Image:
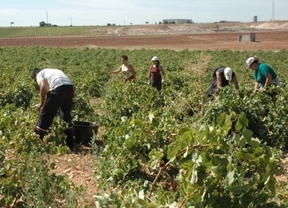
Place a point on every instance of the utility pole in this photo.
(46, 17)
(273, 14)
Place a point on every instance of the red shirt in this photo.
(155, 72)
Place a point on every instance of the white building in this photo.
(177, 21)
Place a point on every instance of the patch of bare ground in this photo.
(284, 162)
(79, 169)
(283, 179)
(80, 166)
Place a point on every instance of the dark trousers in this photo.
(211, 92)
(157, 83)
(58, 99)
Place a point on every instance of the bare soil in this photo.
(79, 169)
(269, 36)
(273, 40)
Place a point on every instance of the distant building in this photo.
(226, 21)
(255, 19)
(177, 21)
(247, 38)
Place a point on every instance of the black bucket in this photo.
(83, 131)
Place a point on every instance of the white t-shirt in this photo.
(125, 68)
(54, 77)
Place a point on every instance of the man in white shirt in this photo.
(56, 93)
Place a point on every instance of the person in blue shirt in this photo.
(264, 74)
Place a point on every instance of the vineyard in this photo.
(13, 32)
(172, 148)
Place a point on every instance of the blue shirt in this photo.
(262, 71)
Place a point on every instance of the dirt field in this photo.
(274, 41)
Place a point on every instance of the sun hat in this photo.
(228, 73)
(250, 61)
(155, 58)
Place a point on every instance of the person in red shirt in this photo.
(156, 73)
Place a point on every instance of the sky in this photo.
(127, 12)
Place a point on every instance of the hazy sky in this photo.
(125, 12)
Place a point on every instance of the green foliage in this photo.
(82, 109)
(267, 116)
(46, 30)
(220, 166)
(216, 167)
(135, 126)
(20, 96)
(25, 175)
(169, 148)
(219, 157)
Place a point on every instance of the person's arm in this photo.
(268, 80)
(219, 80)
(132, 71)
(74, 91)
(117, 70)
(235, 81)
(149, 74)
(43, 90)
(256, 86)
(162, 72)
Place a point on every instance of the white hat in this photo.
(249, 61)
(228, 73)
(155, 58)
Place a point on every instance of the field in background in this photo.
(14, 32)
(159, 29)
(269, 36)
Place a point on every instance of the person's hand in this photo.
(162, 80)
(260, 90)
(38, 107)
(74, 92)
